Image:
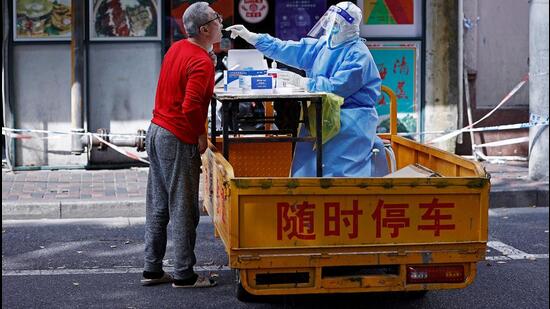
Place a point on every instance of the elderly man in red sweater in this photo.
(175, 140)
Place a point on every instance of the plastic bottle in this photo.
(273, 72)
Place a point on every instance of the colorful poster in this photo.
(254, 11)
(176, 30)
(388, 12)
(391, 18)
(399, 67)
(294, 18)
(42, 20)
(124, 20)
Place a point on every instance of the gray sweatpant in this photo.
(172, 193)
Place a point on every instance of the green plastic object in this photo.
(331, 117)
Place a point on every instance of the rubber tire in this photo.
(240, 292)
(416, 294)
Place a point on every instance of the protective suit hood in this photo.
(340, 24)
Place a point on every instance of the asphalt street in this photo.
(96, 263)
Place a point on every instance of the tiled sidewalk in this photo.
(80, 185)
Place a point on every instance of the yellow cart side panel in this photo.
(295, 221)
(445, 163)
(217, 173)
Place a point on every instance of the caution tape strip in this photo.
(504, 100)
(515, 126)
(6, 131)
(118, 149)
(504, 142)
(14, 133)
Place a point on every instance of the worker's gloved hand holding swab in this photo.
(240, 30)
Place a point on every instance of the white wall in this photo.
(122, 84)
(497, 47)
(41, 87)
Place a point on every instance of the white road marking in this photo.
(100, 271)
(511, 253)
(505, 258)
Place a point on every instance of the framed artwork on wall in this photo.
(125, 20)
(41, 20)
(391, 18)
(399, 67)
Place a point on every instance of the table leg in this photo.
(225, 132)
(213, 124)
(319, 135)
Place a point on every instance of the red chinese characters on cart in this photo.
(297, 221)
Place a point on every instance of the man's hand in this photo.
(240, 30)
(203, 143)
(292, 78)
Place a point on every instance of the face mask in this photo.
(335, 29)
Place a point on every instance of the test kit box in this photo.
(255, 82)
(231, 77)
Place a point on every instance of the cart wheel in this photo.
(416, 294)
(240, 292)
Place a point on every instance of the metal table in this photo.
(230, 99)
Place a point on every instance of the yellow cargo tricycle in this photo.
(340, 235)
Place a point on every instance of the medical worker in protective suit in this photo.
(336, 60)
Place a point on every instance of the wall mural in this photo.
(391, 18)
(388, 12)
(42, 20)
(124, 20)
(399, 67)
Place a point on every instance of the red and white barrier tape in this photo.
(118, 149)
(504, 100)
(504, 142)
(15, 133)
(515, 126)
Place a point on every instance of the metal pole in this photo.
(538, 87)
(460, 67)
(477, 154)
(77, 75)
(469, 113)
(7, 111)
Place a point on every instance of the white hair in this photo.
(194, 17)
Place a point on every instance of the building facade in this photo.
(122, 62)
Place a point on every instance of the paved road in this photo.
(97, 264)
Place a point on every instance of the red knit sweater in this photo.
(184, 89)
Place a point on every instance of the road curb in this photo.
(519, 198)
(30, 210)
(74, 209)
(102, 209)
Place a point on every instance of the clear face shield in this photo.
(336, 23)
